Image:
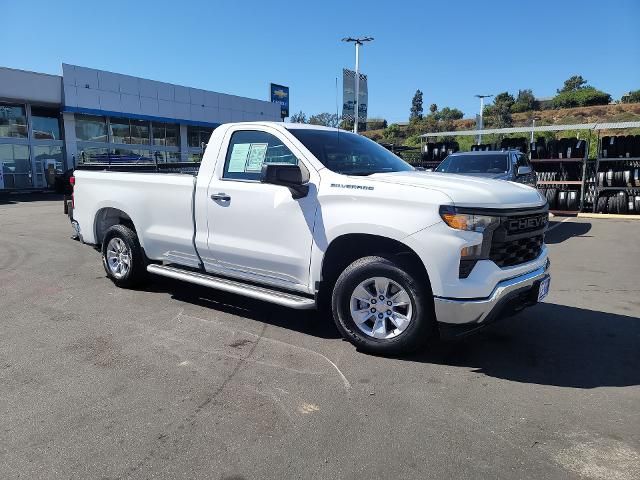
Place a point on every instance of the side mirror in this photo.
(287, 175)
(524, 170)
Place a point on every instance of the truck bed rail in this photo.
(190, 168)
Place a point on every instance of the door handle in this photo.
(221, 197)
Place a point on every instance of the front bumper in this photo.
(507, 296)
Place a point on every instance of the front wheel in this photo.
(122, 257)
(381, 308)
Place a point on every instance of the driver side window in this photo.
(248, 150)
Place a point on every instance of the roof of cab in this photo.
(300, 126)
(288, 126)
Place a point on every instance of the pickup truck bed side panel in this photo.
(158, 205)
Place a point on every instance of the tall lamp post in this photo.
(481, 97)
(358, 41)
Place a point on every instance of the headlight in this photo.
(467, 221)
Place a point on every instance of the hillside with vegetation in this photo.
(574, 103)
(409, 134)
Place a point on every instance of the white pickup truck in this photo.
(298, 214)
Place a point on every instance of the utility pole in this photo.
(358, 41)
(481, 97)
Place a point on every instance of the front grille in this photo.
(514, 252)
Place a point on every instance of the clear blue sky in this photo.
(450, 50)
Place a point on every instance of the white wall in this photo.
(106, 91)
(30, 86)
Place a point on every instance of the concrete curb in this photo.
(609, 215)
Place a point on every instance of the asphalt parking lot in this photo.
(176, 381)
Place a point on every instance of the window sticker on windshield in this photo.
(257, 154)
(238, 160)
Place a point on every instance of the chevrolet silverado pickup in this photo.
(304, 216)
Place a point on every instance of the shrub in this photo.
(631, 97)
(583, 97)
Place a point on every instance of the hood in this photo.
(497, 176)
(468, 191)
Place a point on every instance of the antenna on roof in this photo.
(337, 116)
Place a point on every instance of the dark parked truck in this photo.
(510, 165)
(294, 214)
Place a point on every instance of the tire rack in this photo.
(563, 183)
(589, 166)
(608, 161)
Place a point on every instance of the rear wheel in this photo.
(382, 308)
(122, 257)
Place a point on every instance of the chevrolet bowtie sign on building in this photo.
(280, 94)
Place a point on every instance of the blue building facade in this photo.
(50, 123)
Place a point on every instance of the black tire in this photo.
(601, 204)
(137, 271)
(422, 327)
(562, 200)
(572, 200)
(623, 203)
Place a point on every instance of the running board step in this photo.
(252, 291)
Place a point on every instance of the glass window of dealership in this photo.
(31, 143)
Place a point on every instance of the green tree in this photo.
(583, 97)
(448, 114)
(433, 108)
(299, 117)
(326, 119)
(392, 133)
(573, 83)
(631, 97)
(499, 114)
(346, 124)
(525, 102)
(416, 107)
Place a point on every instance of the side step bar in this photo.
(252, 291)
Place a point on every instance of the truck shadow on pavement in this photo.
(550, 345)
(566, 231)
(307, 322)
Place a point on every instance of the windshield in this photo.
(349, 154)
(484, 163)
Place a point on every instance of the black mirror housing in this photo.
(287, 175)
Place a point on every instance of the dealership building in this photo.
(50, 123)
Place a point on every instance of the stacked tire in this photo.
(483, 147)
(436, 152)
(621, 146)
(562, 173)
(518, 143)
(561, 199)
(619, 176)
(564, 148)
(619, 202)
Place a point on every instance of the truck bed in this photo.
(159, 204)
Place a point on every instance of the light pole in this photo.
(481, 97)
(358, 41)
